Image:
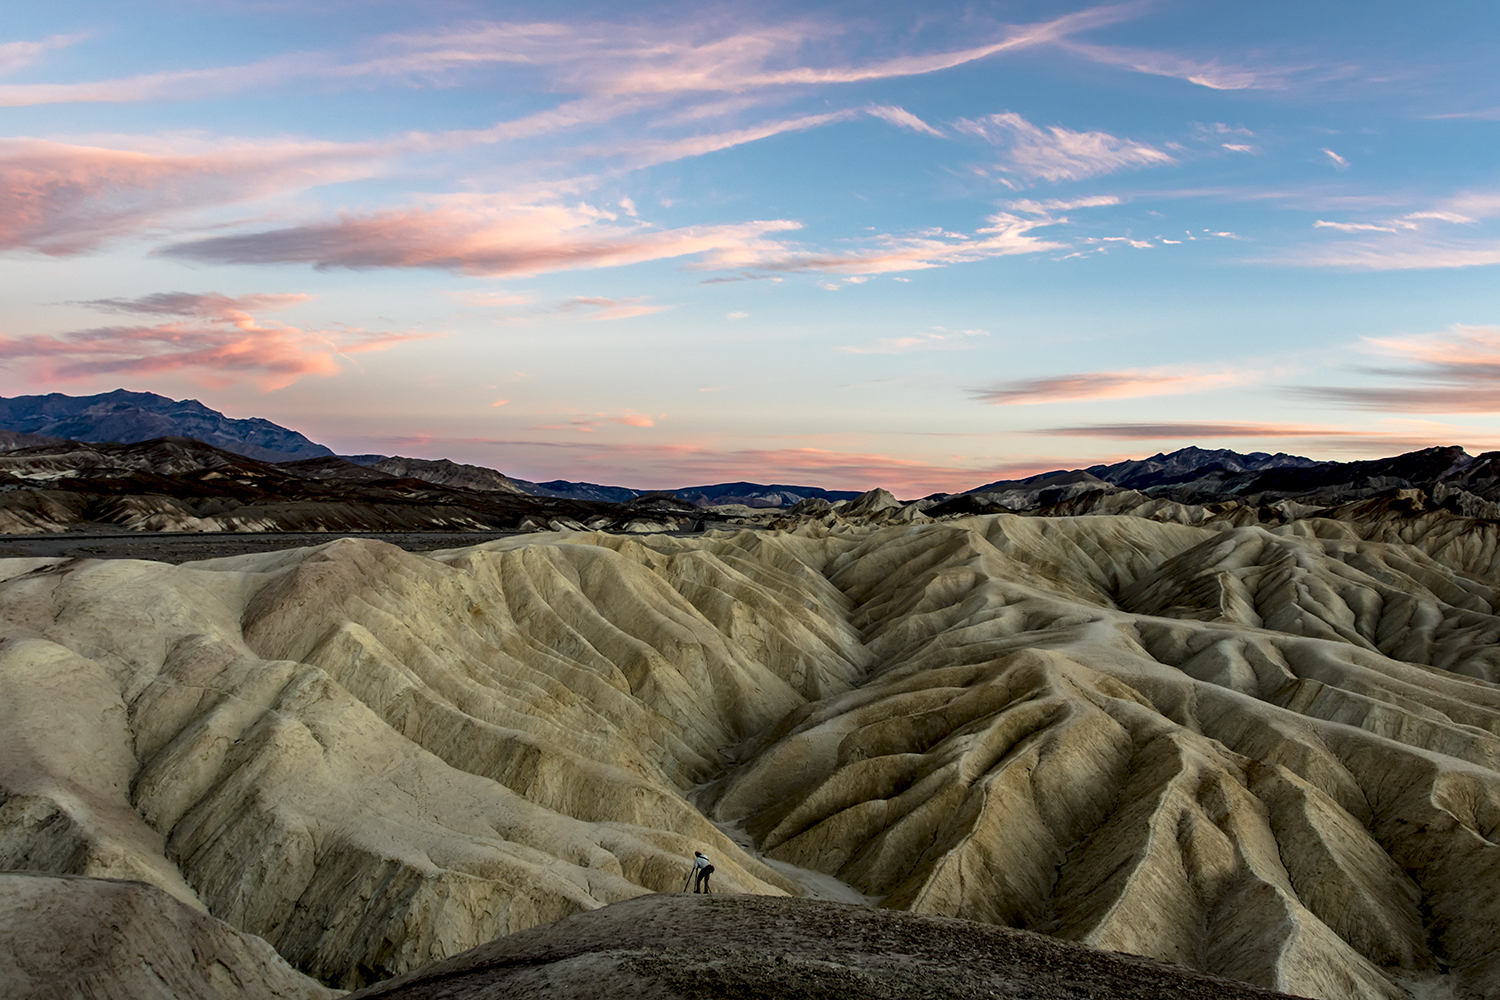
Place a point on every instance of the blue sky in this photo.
(843, 244)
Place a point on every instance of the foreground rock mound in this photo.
(63, 938)
(1269, 754)
(685, 947)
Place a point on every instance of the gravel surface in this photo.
(685, 947)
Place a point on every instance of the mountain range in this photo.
(1191, 475)
(129, 417)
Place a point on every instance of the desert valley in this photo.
(1256, 737)
(806, 500)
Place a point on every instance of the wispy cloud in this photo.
(594, 307)
(1338, 161)
(1402, 255)
(646, 153)
(492, 300)
(60, 199)
(618, 60)
(1453, 217)
(63, 199)
(1061, 205)
(1211, 73)
(592, 422)
(20, 54)
(936, 339)
(213, 305)
(472, 237)
(1480, 115)
(1354, 227)
(1456, 371)
(902, 118)
(1056, 153)
(214, 339)
(1106, 385)
(1415, 240)
(747, 59)
(1006, 235)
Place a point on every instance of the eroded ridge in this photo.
(1268, 754)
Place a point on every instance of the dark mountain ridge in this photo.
(182, 484)
(127, 417)
(130, 417)
(60, 422)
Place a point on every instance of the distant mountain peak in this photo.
(128, 417)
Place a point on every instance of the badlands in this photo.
(1267, 752)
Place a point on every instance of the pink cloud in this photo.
(1353, 227)
(1006, 235)
(1105, 385)
(1457, 371)
(215, 339)
(63, 199)
(1062, 205)
(589, 423)
(649, 63)
(614, 60)
(473, 239)
(19, 55)
(1338, 161)
(594, 307)
(167, 86)
(1056, 153)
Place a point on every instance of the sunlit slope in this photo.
(1214, 759)
(1270, 755)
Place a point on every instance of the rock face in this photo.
(62, 938)
(129, 417)
(686, 947)
(445, 473)
(1270, 754)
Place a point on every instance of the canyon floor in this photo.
(1267, 752)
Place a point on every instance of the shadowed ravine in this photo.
(1272, 755)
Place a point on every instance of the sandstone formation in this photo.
(445, 473)
(1268, 752)
(685, 947)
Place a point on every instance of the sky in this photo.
(837, 244)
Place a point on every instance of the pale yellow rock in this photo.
(1270, 754)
